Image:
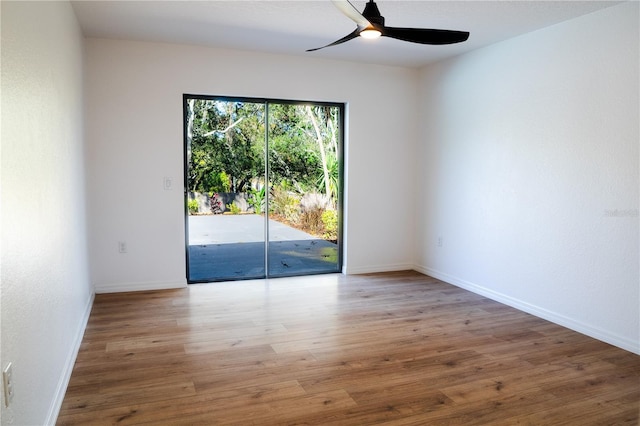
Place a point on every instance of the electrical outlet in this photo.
(122, 247)
(7, 381)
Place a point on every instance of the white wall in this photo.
(529, 173)
(45, 291)
(135, 138)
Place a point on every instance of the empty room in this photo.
(247, 212)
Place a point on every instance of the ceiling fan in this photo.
(371, 25)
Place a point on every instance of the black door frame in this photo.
(266, 101)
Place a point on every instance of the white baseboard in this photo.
(63, 382)
(580, 327)
(139, 286)
(372, 269)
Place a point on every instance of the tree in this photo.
(220, 145)
(226, 146)
(320, 140)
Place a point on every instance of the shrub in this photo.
(217, 206)
(330, 221)
(218, 182)
(311, 220)
(285, 204)
(234, 208)
(315, 200)
(241, 203)
(256, 200)
(193, 206)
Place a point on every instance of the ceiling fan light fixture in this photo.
(370, 25)
(370, 33)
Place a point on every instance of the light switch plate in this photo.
(168, 183)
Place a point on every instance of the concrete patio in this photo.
(228, 247)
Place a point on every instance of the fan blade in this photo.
(351, 12)
(425, 35)
(351, 36)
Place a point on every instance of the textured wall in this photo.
(530, 177)
(45, 291)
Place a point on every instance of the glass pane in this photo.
(225, 179)
(303, 143)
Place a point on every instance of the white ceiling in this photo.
(291, 27)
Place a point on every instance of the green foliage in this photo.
(256, 200)
(219, 182)
(284, 203)
(226, 148)
(193, 207)
(226, 153)
(293, 161)
(330, 221)
(333, 167)
(234, 208)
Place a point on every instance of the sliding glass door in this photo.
(263, 187)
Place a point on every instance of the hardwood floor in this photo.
(394, 348)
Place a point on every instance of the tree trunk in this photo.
(323, 156)
(334, 132)
(190, 131)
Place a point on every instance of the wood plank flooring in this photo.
(394, 348)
